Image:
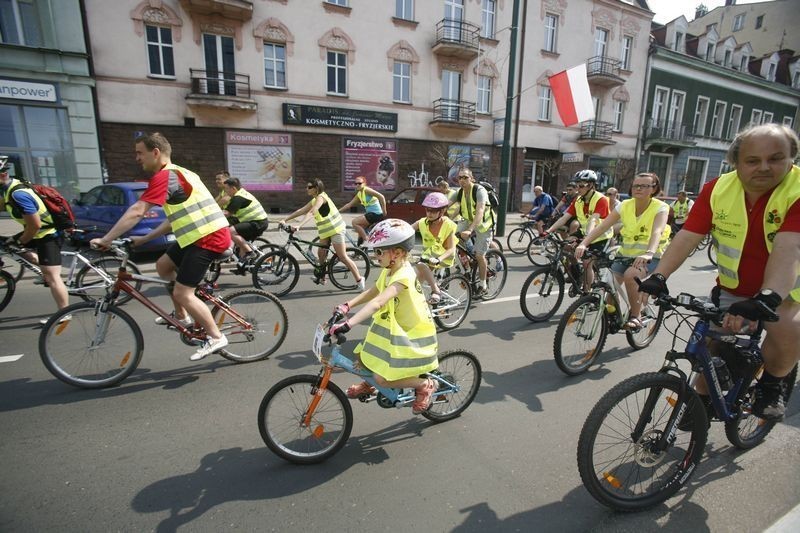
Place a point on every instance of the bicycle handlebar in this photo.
(707, 310)
(287, 228)
(340, 337)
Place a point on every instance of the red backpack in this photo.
(58, 206)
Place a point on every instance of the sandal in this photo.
(424, 396)
(633, 324)
(435, 298)
(362, 389)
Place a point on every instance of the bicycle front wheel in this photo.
(7, 288)
(580, 335)
(451, 311)
(518, 240)
(627, 474)
(265, 328)
(652, 317)
(341, 276)
(496, 273)
(462, 371)
(91, 285)
(281, 420)
(276, 272)
(542, 294)
(89, 348)
(541, 253)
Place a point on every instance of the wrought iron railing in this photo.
(595, 130)
(662, 129)
(603, 66)
(219, 83)
(459, 32)
(457, 111)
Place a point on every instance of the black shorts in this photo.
(48, 249)
(372, 218)
(251, 229)
(192, 263)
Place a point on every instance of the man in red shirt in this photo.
(760, 199)
(199, 225)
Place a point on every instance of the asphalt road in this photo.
(176, 446)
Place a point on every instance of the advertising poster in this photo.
(262, 161)
(375, 159)
(476, 158)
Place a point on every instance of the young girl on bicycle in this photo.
(438, 240)
(400, 344)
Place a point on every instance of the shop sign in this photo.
(375, 159)
(28, 90)
(338, 117)
(572, 157)
(262, 161)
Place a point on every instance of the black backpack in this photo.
(494, 200)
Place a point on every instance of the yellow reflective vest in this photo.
(254, 211)
(469, 208)
(331, 224)
(41, 210)
(197, 216)
(583, 218)
(401, 341)
(636, 231)
(433, 246)
(681, 210)
(370, 203)
(729, 222)
(454, 211)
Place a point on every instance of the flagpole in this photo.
(505, 159)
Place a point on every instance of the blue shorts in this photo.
(621, 264)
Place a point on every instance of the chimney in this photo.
(730, 3)
(700, 11)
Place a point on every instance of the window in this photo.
(796, 80)
(675, 117)
(660, 105)
(727, 61)
(159, 51)
(755, 116)
(625, 58)
(600, 41)
(743, 63)
(771, 72)
(710, 49)
(488, 13)
(274, 65)
(342, 3)
(759, 21)
(402, 82)
(550, 32)
(788, 121)
(619, 113)
(484, 94)
(718, 120)
(404, 9)
(767, 118)
(678, 41)
(545, 103)
(19, 23)
(700, 115)
(337, 73)
(738, 22)
(734, 121)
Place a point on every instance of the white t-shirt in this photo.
(664, 208)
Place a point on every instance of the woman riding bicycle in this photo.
(330, 226)
(644, 234)
(438, 240)
(400, 344)
(374, 204)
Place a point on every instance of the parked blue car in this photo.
(104, 205)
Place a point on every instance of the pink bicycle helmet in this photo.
(436, 200)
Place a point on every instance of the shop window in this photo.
(19, 23)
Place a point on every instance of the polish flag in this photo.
(573, 99)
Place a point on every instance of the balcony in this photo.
(664, 133)
(604, 71)
(456, 38)
(596, 132)
(454, 114)
(225, 90)
(232, 9)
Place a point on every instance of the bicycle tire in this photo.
(541, 254)
(276, 272)
(7, 287)
(70, 352)
(341, 276)
(622, 486)
(267, 317)
(748, 431)
(451, 315)
(581, 312)
(461, 368)
(90, 287)
(536, 299)
(712, 254)
(17, 270)
(498, 244)
(652, 318)
(518, 240)
(496, 274)
(281, 413)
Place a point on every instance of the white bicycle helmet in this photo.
(436, 200)
(3, 162)
(390, 233)
(585, 175)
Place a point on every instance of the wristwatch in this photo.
(769, 297)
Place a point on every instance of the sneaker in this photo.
(319, 281)
(161, 321)
(362, 389)
(210, 346)
(362, 285)
(435, 298)
(424, 396)
(685, 424)
(480, 292)
(769, 403)
(65, 318)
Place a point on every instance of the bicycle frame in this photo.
(76, 258)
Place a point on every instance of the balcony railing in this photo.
(217, 83)
(604, 70)
(596, 131)
(454, 112)
(457, 38)
(666, 132)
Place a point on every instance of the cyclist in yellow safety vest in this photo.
(222, 198)
(454, 209)
(680, 209)
(438, 240)
(200, 229)
(478, 220)
(330, 226)
(644, 234)
(374, 205)
(753, 215)
(247, 217)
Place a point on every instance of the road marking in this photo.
(788, 522)
(10, 358)
(511, 298)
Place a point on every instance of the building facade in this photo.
(47, 107)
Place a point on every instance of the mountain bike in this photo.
(587, 322)
(278, 271)
(520, 238)
(496, 271)
(455, 296)
(351, 242)
(259, 245)
(94, 345)
(306, 419)
(645, 437)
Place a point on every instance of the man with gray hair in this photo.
(541, 209)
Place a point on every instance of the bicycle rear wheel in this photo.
(7, 288)
(341, 276)
(454, 306)
(712, 254)
(91, 286)
(629, 475)
(580, 335)
(496, 273)
(463, 370)
(652, 317)
(281, 414)
(542, 294)
(276, 272)
(267, 320)
(518, 240)
(90, 349)
(541, 253)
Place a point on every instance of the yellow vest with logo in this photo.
(254, 211)
(454, 211)
(680, 210)
(432, 245)
(636, 232)
(468, 209)
(394, 350)
(584, 218)
(331, 224)
(197, 216)
(729, 222)
(41, 210)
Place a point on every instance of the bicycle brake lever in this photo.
(340, 338)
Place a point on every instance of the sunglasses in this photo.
(359, 183)
(311, 186)
(582, 184)
(463, 177)
(641, 186)
(379, 251)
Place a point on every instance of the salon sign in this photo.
(28, 90)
